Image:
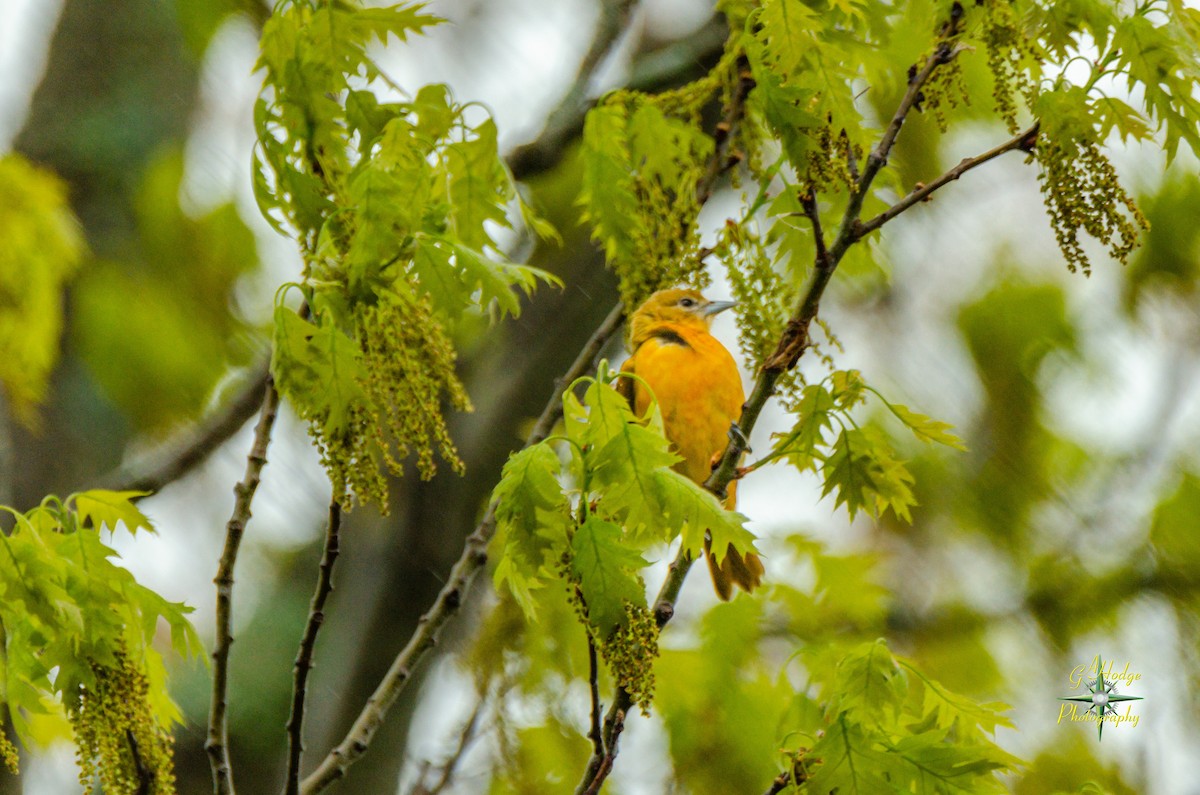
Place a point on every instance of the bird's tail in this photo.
(734, 569)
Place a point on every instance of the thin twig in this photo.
(809, 202)
(183, 454)
(565, 122)
(1023, 142)
(308, 641)
(217, 744)
(610, 757)
(448, 600)
(779, 784)
(465, 738)
(594, 734)
(145, 774)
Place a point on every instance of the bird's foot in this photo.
(738, 437)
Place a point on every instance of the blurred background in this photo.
(1069, 529)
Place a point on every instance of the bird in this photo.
(699, 392)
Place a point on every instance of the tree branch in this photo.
(594, 734)
(606, 761)
(308, 641)
(448, 600)
(779, 784)
(217, 744)
(565, 122)
(183, 454)
(1024, 142)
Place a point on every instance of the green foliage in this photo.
(721, 703)
(396, 207)
(856, 464)
(888, 728)
(1010, 331)
(644, 157)
(41, 251)
(76, 633)
(591, 517)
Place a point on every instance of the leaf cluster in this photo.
(588, 505)
(856, 462)
(643, 160)
(888, 728)
(397, 207)
(70, 616)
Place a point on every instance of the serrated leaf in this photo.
(848, 390)
(864, 475)
(949, 710)
(939, 766)
(509, 576)
(606, 191)
(870, 688)
(802, 445)
(479, 188)
(849, 764)
(109, 508)
(606, 568)
(317, 368)
(532, 519)
(397, 20)
(927, 429)
(528, 484)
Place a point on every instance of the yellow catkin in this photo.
(1082, 192)
(630, 652)
(119, 743)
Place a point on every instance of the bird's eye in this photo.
(687, 303)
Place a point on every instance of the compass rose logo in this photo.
(1101, 696)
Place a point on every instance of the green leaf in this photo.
(849, 388)
(802, 445)
(108, 508)
(532, 523)
(317, 368)
(950, 710)
(849, 764)
(529, 485)
(509, 574)
(397, 20)
(864, 475)
(606, 192)
(606, 568)
(479, 187)
(870, 687)
(1173, 528)
(925, 428)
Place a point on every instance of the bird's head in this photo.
(676, 306)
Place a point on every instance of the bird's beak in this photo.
(714, 307)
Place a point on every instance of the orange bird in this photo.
(700, 395)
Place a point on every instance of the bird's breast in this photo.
(699, 393)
